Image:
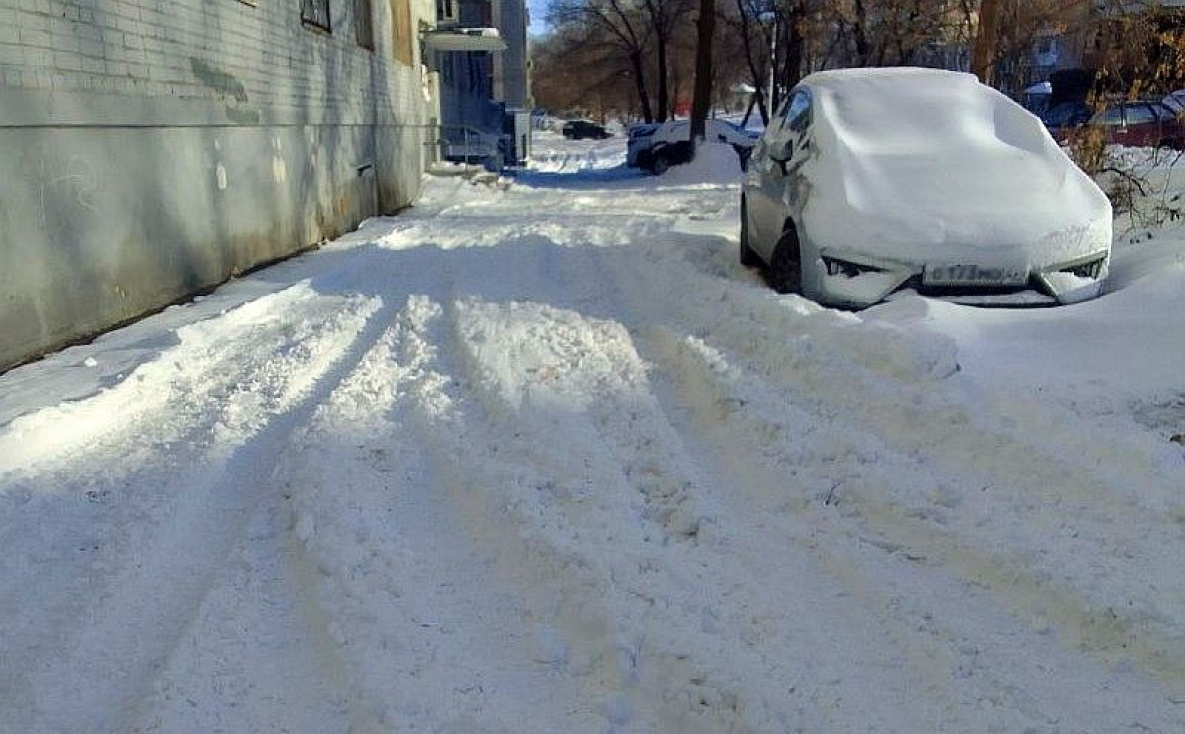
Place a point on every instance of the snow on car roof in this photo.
(909, 109)
(944, 159)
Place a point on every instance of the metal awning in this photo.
(465, 39)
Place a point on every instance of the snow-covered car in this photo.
(872, 181)
(657, 147)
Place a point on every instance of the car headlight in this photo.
(1089, 269)
(849, 269)
(1075, 280)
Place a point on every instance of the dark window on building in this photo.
(315, 13)
(364, 24)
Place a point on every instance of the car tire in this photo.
(749, 258)
(743, 155)
(785, 267)
(660, 164)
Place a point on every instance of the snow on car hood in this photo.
(918, 159)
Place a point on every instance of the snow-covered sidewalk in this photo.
(548, 459)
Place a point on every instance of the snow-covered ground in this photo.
(547, 459)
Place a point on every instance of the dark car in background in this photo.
(1064, 118)
(581, 129)
(1140, 124)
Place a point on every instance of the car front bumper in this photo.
(855, 280)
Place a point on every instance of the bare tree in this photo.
(571, 74)
(619, 23)
(889, 32)
(664, 17)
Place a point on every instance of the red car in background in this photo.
(1141, 124)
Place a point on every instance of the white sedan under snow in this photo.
(873, 181)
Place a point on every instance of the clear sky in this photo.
(538, 10)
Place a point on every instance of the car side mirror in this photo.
(781, 154)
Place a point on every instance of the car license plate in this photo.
(975, 275)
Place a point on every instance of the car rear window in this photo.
(1164, 112)
(1140, 114)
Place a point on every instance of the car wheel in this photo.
(748, 258)
(785, 267)
(743, 155)
(660, 164)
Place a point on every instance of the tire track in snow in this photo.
(858, 667)
(819, 668)
(572, 394)
(130, 634)
(427, 574)
(897, 400)
(604, 418)
(258, 655)
(952, 656)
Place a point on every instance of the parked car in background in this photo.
(871, 181)
(1064, 118)
(1175, 101)
(657, 147)
(581, 129)
(1140, 123)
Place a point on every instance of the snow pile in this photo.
(713, 163)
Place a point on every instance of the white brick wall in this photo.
(149, 48)
(151, 148)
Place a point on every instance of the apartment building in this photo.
(480, 54)
(153, 148)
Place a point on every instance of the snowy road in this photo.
(546, 459)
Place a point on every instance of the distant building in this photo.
(152, 149)
(480, 54)
(512, 82)
(1085, 34)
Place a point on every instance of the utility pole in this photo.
(983, 56)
